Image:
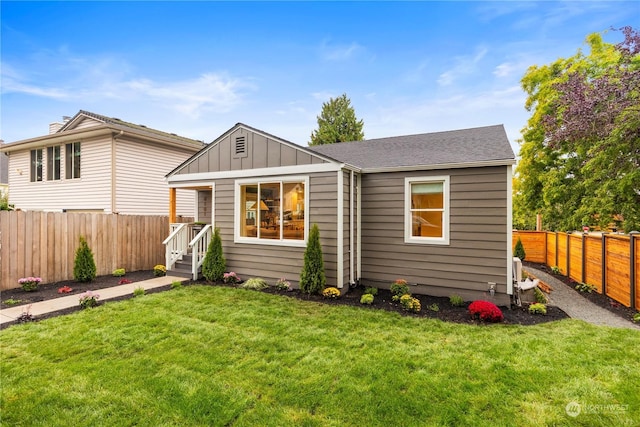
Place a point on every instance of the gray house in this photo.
(434, 209)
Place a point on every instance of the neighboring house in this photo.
(434, 209)
(93, 163)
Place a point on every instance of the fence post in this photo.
(545, 247)
(557, 234)
(632, 268)
(568, 254)
(604, 263)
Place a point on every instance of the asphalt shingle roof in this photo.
(476, 145)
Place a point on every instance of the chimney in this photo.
(55, 126)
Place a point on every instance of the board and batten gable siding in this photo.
(92, 191)
(141, 188)
(262, 152)
(477, 251)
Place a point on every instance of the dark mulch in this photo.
(446, 311)
(598, 299)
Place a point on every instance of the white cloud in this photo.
(464, 65)
(338, 52)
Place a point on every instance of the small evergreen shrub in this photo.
(331, 292)
(366, 299)
(538, 308)
(585, 287)
(410, 303)
(312, 278)
(138, 292)
(119, 272)
(371, 291)
(519, 250)
(214, 264)
(255, 283)
(159, 270)
(456, 300)
(486, 311)
(399, 288)
(84, 268)
(540, 296)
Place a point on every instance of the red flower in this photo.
(124, 282)
(64, 290)
(486, 311)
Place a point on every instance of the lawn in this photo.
(206, 355)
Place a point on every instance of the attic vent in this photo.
(241, 145)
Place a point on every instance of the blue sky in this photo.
(197, 68)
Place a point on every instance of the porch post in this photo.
(172, 205)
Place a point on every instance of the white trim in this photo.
(270, 242)
(340, 232)
(509, 230)
(359, 229)
(213, 206)
(196, 205)
(446, 215)
(351, 234)
(255, 173)
(505, 162)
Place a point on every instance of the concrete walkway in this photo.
(42, 307)
(577, 307)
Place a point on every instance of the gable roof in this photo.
(482, 146)
(103, 126)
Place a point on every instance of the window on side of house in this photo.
(72, 162)
(427, 210)
(53, 163)
(36, 165)
(271, 211)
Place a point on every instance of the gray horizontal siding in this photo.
(477, 252)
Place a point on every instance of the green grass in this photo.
(222, 356)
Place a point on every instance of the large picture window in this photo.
(271, 211)
(427, 210)
(53, 163)
(72, 163)
(36, 165)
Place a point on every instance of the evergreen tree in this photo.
(84, 268)
(337, 123)
(312, 278)
(519, 250)
(214, 264)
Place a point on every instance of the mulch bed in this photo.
(446, 311)
(596, 298)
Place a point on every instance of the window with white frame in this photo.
(271, 210)
(427, 210)
(36, 165)
(72, 163)
(53, 163)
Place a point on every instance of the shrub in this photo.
(230, 278)
(540, 296)
(331, 292)
(214, 263)
(538, 308)
(12, 301)
(519, 250)
(159, 270)
(84, 269)
(367, 299)
(585, 287)
(88, 299)
(456, 300)
(399, 288)
(371, 291)
(176, 284)
(138, 292)
(486, 311)
(119, 272)
(555, 270)
(283, 285)
(410, 303)
(434, 307)
(64, 290)
(255, 283)
(312, 278)
(29, 284)
(636, 317)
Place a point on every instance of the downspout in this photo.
(114, 176)
(359, 229)
(509, 231)
(351, 234)
(340, 232)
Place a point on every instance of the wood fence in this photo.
(610, 262)
(44, 244)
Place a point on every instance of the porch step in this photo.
(182, 268)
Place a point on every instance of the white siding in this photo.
(90, 192)
(140, 184)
